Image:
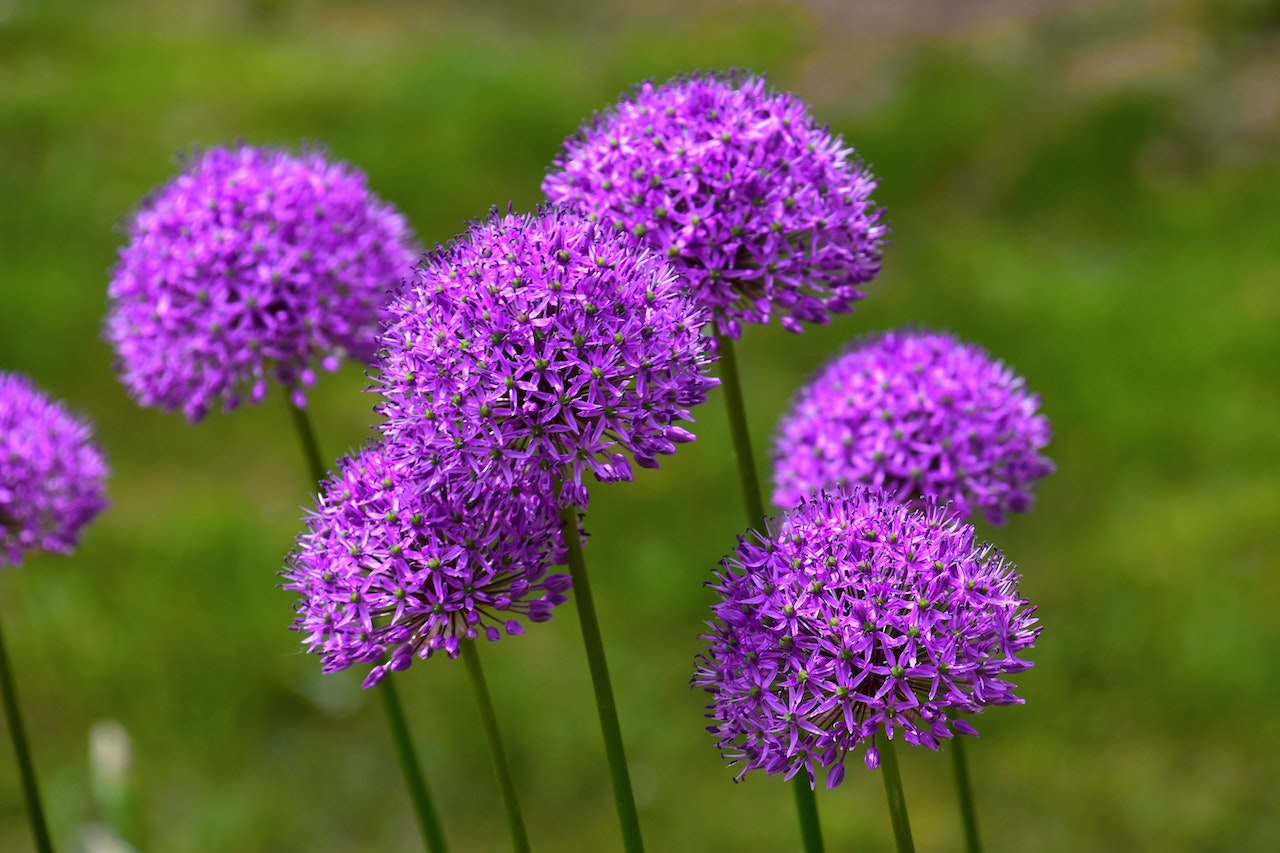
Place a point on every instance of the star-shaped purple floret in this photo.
(253, 263)
(763, 210)
(394, 565)
(51, 473)
(544, 343)
(915, 413)
(855, 614)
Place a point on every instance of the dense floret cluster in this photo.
(51, 473)
(851, 615)
(546, 344)
(915, 413)
(253, 263)
(763, 210)
(393, 566)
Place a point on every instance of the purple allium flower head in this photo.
(51, 473)
(855, 614)
(253, 262)
(915, 413)
(761, 208)
(394, 565)
(549, 344)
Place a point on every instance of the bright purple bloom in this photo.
(51, 473)
(251, 263)
(546, 343)
(761, 208)
(854, 614)
(915, 413)
(395, 565)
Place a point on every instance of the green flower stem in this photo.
(307, 440)
(893, 793)
(738, 429)
(806, 802)
(428, 819)
(489, 719)
(807, 809)
(605, 706)
(968, 814)
(419, 795)
(35, 813)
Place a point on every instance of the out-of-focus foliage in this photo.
(1087, 190)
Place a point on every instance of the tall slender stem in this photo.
(419, 795)
(968, 814)
(605, 706)
(307, 441)
(35, 813)
(423, 806)
(893, 793)
(806, 802)
(501, 769)
(732, 385)
(807, 810)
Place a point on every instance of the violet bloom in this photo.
(915, 413)
(548, 344)
(51, 473)
(253, 263)
(393, 565)
(759, 206)
(855, 614)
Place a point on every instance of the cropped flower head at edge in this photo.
(542, 342)
(51, 473)
(395, 566)
(854, 614)
(916, 413)
(762, 209)
(251, 264)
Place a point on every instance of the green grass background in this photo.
(1089, 190)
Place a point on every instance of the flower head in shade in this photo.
(253, 263)
(761, 208)
(915, 413)
(394, 566)
(855, 614)
(545, 343)
(51, 473)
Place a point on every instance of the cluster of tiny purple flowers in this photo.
(543, 343)
(915, 413)
(855, 614)
(250, 264)
(51, 473)
(762, 210)
(394, 565)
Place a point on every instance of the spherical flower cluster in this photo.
(548, 344)
(393, 565)
(761, 208)
(51, 473)
(915, 413)
(855, 614)
(253, 262)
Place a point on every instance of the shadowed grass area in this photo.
(1090, 238)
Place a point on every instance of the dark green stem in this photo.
(806, 802)
(35, 813)
(605, 707)
(732, 385)
(489, 719)
(968, 814)
(807, 809)
(428, 820)
(307, 440)
(893, 793)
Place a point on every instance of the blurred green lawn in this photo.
(1090, 194)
